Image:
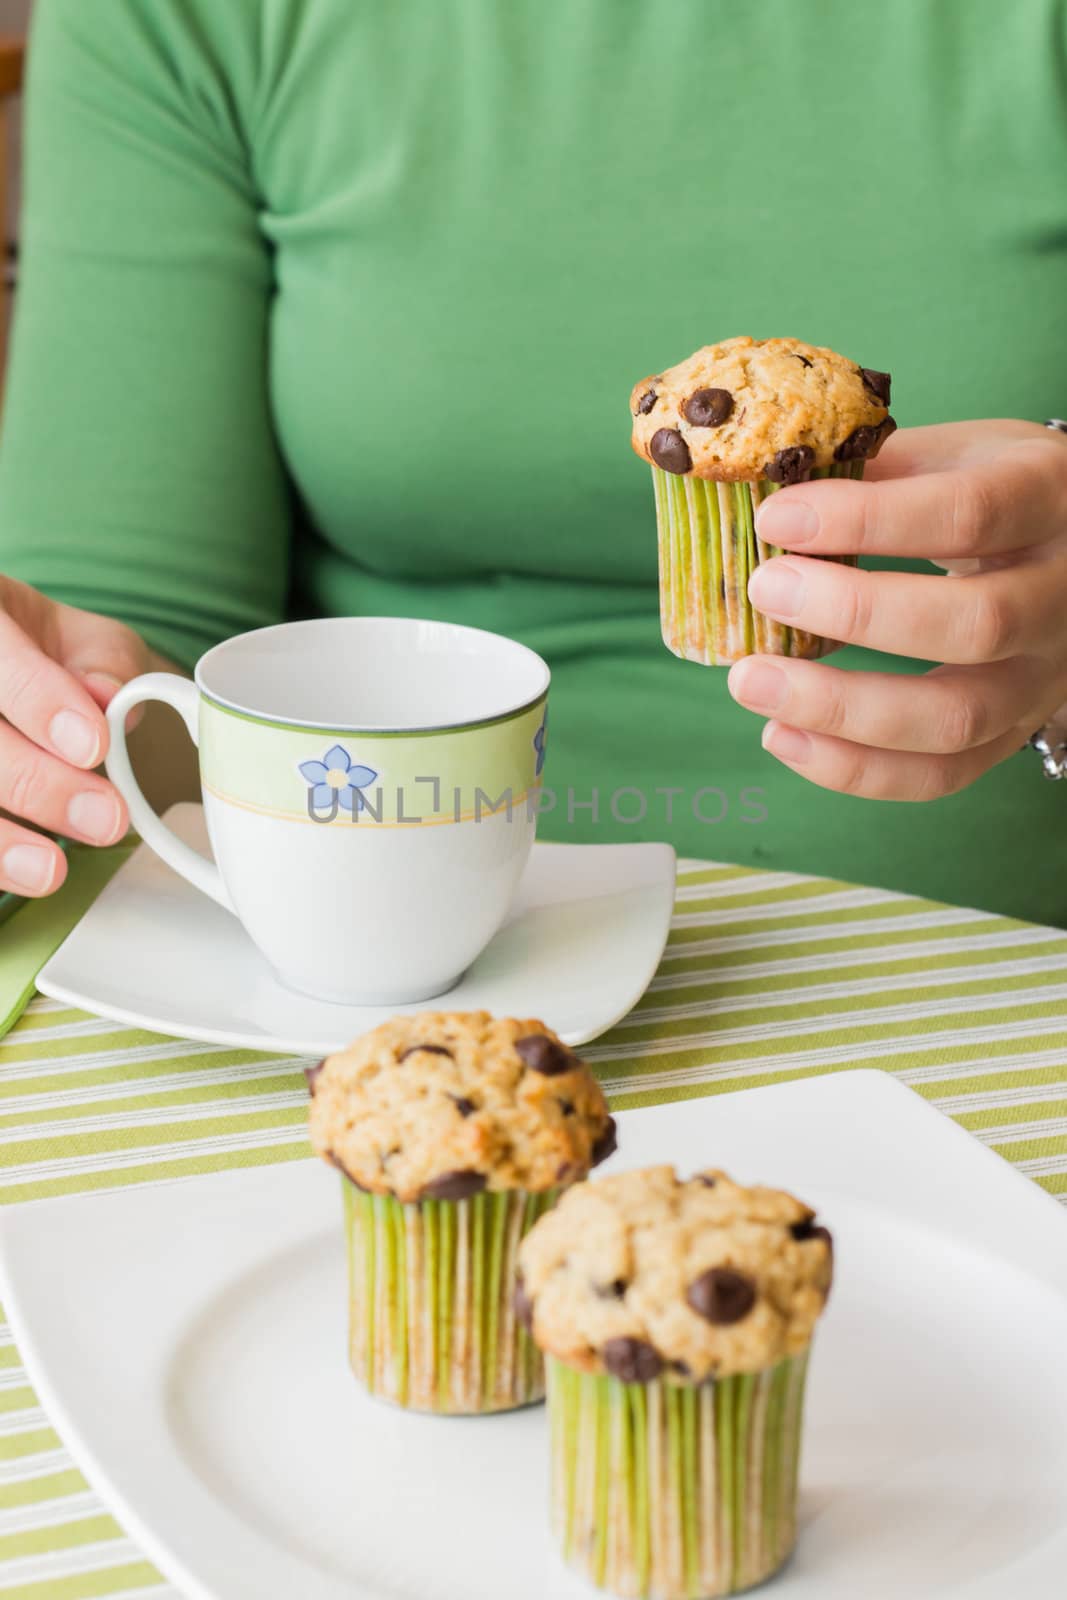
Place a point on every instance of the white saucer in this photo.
(188, 1341)
(579, 949)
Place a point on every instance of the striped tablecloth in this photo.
(767, 976)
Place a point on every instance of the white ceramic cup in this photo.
(371, 788)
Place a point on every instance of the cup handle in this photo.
(184, 696)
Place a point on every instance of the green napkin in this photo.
(31, 930)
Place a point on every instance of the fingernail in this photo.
(757, 685)
(788, 744)
(28, 867)
(104, 684)
(777, 589)
(786, 521)
(94, 816)
(74, 738)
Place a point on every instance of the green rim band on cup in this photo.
(675, 1491)
(708, 550)
(426, 779)
(431, 1320)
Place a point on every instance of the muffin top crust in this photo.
(646, 1275)
(443, 1105)
(746, 409)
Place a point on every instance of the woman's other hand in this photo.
(988, 502)
(59, 668)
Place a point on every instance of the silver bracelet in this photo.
(1053, 752)
(1048, 741)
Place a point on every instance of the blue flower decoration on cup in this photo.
(337, 774)
(539, 745)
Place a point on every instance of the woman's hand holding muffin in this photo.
(987, 501)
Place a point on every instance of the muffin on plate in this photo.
(676, 1317)
(454, 1133)
(721, 431)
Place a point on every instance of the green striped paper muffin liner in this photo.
(675, 1491)
(708, 550)
(431, 1321)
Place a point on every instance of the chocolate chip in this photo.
(682, 1368)
(606, 1144)
(792, 465)
(798, 357)
(857, 446)
(669, 450)
(464, 1106)
(706, 1180)
(427, 1050)
(454, 1186)
(632, 1360)
(708, 408)
(522, 1303)
(809, 1229)
(611, 1291)
(646, 402)
(863, 442)
(721, 1296)
(567, 1107)
(877, 382)
(312, 1076)
(544, 1055)
(343, 1170)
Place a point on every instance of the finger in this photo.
(99, 651)
(1008, 502)
(30, 864)
(882, 774)
(948, 444)
(50, 793)
(946, 710)
(104, 688)
(103, 653)
(984, 616)
(46, 702)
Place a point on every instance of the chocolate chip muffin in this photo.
(443, 1105)
(721, 431)
(676, 1317)
(454, 1133)
(643, 1274)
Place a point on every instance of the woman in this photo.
(335, 307)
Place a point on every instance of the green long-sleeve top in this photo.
(334, 306)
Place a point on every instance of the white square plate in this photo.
(188, 1342)
(579, 948)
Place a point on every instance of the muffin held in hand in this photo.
(454, 1134)
(676, 1317)
(721, 431)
